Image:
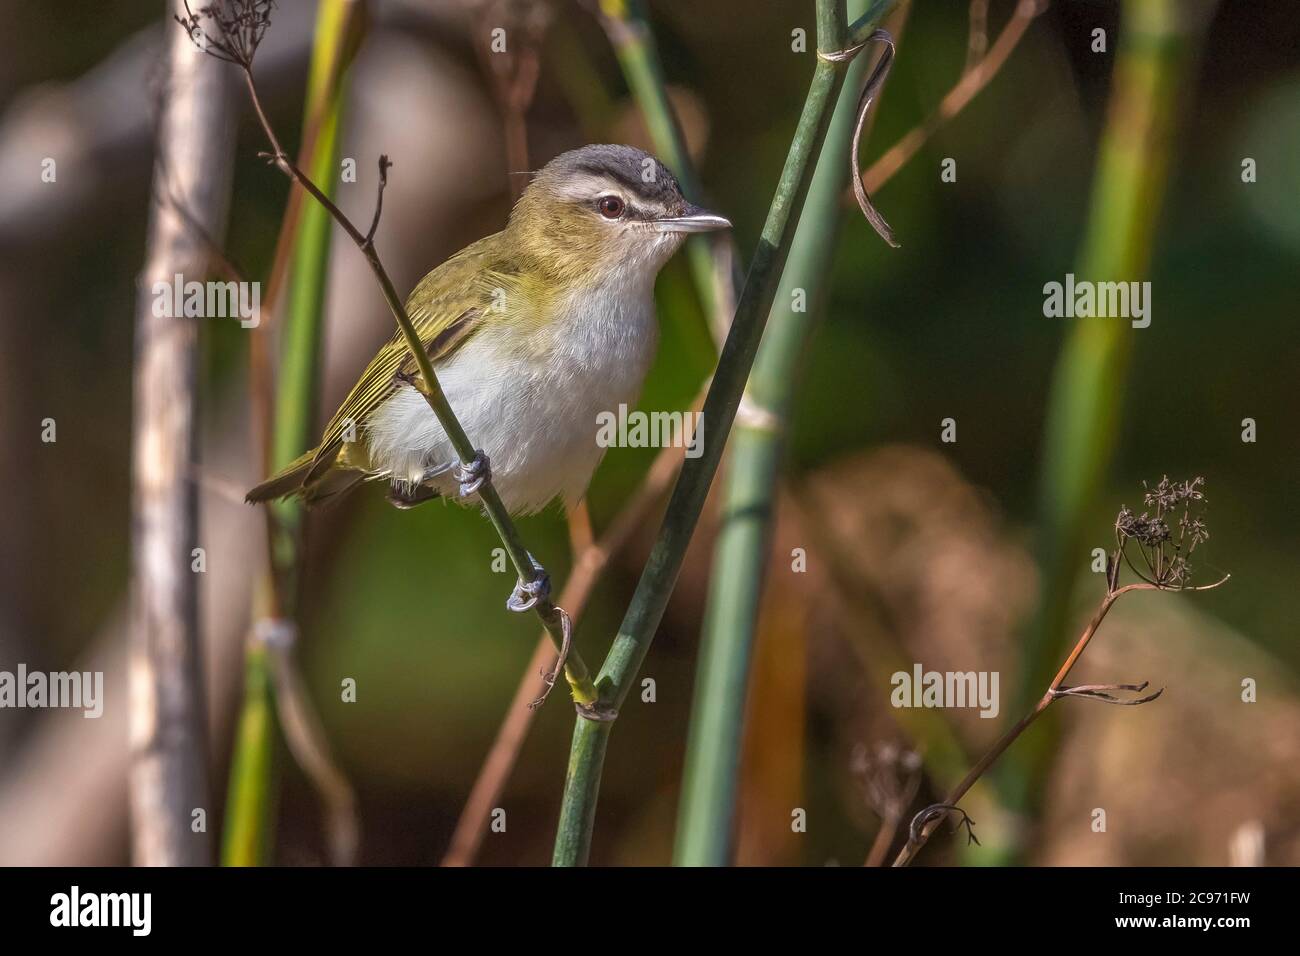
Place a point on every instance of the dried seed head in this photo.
(1166, 534)
(230, 30)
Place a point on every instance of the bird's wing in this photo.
(448, 306)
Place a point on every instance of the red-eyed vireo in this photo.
(533, 332)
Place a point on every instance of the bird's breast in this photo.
(606, 333)
(533, 400)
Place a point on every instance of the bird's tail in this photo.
(288, 481)
(316, 477)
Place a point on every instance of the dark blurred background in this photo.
(951, 325)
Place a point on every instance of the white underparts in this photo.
(534, 409)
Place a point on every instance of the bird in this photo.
(533, 332)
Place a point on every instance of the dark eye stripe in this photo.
(661, 191)
(620, 176)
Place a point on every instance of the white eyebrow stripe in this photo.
(581, 186)
(584, 187)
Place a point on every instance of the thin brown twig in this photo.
(384, 166)
(261, 381)
(261, 384)
(581, 534)
(917, 840)
(921, 834)
(514, 71)
(531, 577)
(974, 79)
(977, 40)
(883, 841)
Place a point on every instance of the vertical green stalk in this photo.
(299, 369)
(705, 819)
(252, 793)
(252, 796)
(590, 736)
(638, 55)
(1156, 45)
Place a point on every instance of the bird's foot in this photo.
(528, 594)
(472, 475)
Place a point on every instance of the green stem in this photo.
(251, 799)
(252, 794)
(734, 364)
(581, 791)
(298, 377)
(1155, 48)
(638, 55)
(740, 554)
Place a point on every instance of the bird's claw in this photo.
(528, 594)
(472, 475)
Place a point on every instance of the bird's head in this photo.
(599, 210)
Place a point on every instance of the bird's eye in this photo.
(611, 207)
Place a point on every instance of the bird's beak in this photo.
(694, 219)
